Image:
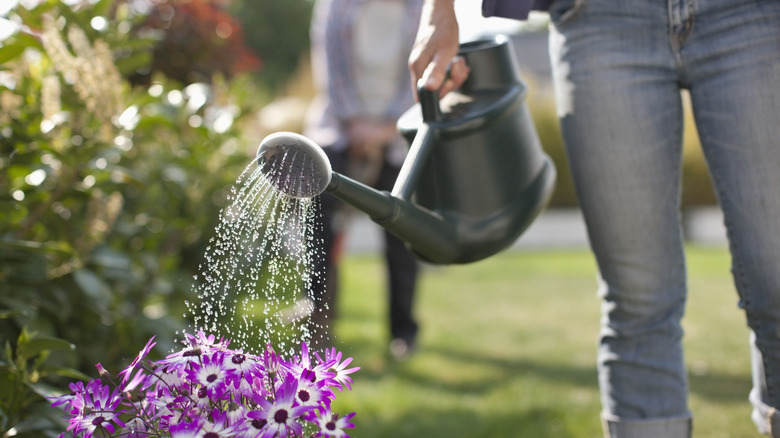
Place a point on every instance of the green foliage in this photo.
(109, 193)
(199, 39)
(23, 388)
(279, 32)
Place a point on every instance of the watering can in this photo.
(475, 176)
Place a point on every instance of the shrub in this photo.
(109, 194)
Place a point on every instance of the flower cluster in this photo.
(209, 391)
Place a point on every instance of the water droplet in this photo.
(257, 268)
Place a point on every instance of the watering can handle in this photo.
(429, 104)
(406, 183)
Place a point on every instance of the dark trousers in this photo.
(401, 265)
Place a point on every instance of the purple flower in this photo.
(209, 391)
(93, 408)
(311, 392)
(201, 338)
(280, 418)
(330, 425)
(299, 366)
(178, 362)
(244, 367)
(338, 368)
(212, 376)
(129, 370)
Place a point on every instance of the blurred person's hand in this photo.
(435, 49)
(368, 137)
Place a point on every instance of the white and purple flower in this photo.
(209, 391)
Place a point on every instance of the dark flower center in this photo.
(202, 393)
(98, 420)
(238, 359)
(303, 395)
(211, 435)
(259, 423)
(193, 352)
(280, 416)
(211, 378)
(330, 425)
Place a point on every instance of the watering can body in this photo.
(475, 176)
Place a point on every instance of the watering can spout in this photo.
(475, 176)
(299, 168)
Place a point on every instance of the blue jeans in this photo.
(619, 67)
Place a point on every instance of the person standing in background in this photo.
(359, 53)
(619, 67)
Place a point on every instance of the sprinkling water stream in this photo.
(255, 284)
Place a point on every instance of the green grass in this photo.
(507, 349)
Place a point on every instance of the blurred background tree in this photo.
(279, 31)
(194, 40)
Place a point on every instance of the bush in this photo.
(109, 194)
(279, 31)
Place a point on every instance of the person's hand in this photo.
(435, 49)
(367, 137)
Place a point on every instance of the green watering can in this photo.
(475, 176)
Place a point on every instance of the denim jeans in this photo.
(619, 67)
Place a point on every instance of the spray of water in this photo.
(255, 284)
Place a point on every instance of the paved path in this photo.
(553, 229)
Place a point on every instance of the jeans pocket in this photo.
(563, 12)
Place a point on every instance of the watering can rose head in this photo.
(208, 389)
(294, 164)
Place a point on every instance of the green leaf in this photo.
(3, 419)
(40, 421)
(44, 390)
(6, 314)
(102, 7)
(11, 51)
(94, 287)
(65, 372)
(46, 247)
(131, 63)
(9, 356)
(38, 344)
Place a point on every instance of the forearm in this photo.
(436, 44)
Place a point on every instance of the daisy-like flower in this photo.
(211, 375)
(141, 355)
(338, 368)
(207, 341)
(299, 366)
(245, 368)
(311, 392)
(220, 424)
(95, 408)
(215, 425)
(330, 425)
(280, 418)
(136, 428)
(210, 391)
(178, 362)
(271, 361)
(186, 429)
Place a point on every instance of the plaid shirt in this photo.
(333, 68)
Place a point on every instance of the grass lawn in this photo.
(507, 349)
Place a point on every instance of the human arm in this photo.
(435, 49)
(437, 41)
